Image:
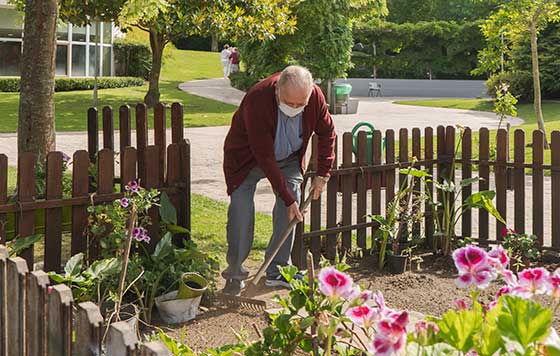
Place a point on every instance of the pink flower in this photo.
(132, 186)
(334, 284)
(532, 281)
(498, 258)
(471, 353)
(379, 300)
(49, 289)
(363, 315)
(391, 335)
(425, 330)
(507, 231)
(509, 277)
(125, 202)
(358, 297)
(554, 284)
(461, 304)
(474, 269)
(504, 290)
(140, 234)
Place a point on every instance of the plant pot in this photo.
(396, 263)
(191, 285)
(173, 310)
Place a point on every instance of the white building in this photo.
(75, 49)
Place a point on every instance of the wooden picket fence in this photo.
(527, 193)
(37, 319)
(158, 165)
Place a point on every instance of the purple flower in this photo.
(65, 157)
(125, 202)
(132, 186)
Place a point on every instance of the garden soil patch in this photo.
(430, 291)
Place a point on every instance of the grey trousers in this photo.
(241, 221)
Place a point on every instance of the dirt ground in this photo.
(430, 291)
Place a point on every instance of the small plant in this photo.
(504, 105)
(522, 248)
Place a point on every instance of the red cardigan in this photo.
(250, 140)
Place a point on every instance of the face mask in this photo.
(290, 111)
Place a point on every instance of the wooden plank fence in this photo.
(37, 319)
(162, 165)
(527, 194)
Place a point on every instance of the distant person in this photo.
(224, 56)
(234, 61)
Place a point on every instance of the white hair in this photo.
(296, 76)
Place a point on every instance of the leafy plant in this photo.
(522, 248)
(19, 244)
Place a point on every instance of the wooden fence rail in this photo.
(37, 319)
(527, 194)
(94, 179)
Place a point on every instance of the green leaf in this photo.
(469, 181)
(414, 172)
(176, 229)
(306, 322)
(164, 247)
(459, 328)
(491, 343)
(483, 200)
(22, 243)
(524, 321)
(298, 299)
(167, 211)
(74, 265)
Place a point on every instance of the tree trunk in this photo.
(36, 127)
(537, 83)
(215, 43)
(157, 43)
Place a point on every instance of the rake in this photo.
(246, 300)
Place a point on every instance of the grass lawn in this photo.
(551, 112)
(180, 66)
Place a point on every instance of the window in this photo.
(78, 34)
(10, 58)
(78, 60)
(61, 60)
(107, 32)
(92, 60)
(11, 23)
(106, 61)
(93, 35)
(62, 32)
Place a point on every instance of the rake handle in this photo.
(285, 236)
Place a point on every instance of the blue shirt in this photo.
(289, 135)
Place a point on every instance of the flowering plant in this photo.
(521, 247)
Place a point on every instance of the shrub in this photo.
(520, 84)
(242, 81)
(132, 59)
(70, 84)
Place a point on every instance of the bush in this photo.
(71, 84)
(132, 59)
(520, 84)
(242, 81)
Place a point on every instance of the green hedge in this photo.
(132, 59)
(71, 84)
(520, 85)
(242, 81)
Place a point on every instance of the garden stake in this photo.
(252, 288)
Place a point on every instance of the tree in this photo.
(515, 20)
(167, 20)
(36, 129)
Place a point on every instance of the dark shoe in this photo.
(233, 287)
(280, 281)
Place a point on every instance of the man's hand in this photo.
(293, 212)
(318, 187)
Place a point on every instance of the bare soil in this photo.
(430, 291)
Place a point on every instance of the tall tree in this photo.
(167, 20)
(36, 129)
(516, 20)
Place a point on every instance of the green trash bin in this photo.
(342, 92)
(369, 138)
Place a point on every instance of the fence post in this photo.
(3, 301)
(159, 137)
(185, 150)
(108, 128)
(26, 193)
(141, 139)
(538, 192)
(466, 170)
(361, 186)
(155, 349)
(429, 187)
(519, 180)
(441, 172)
(389, 161)
(93, 134)
(125, 134)
(173, 177)
(153, 181)
(332, 215)
(377, 152)
(16, 310)
(89, 327)
(177, 133)
(315, 213)
(555, 153)
(105, 181)
(484, 183)
(80, 188)
(53, 217)
(59, 326)
(36, 313)
(347, 180)
(417, 153)
(121, 340)
(500, 171)
(129, 159)
(3, 195)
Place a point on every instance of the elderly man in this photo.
(268, 138)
